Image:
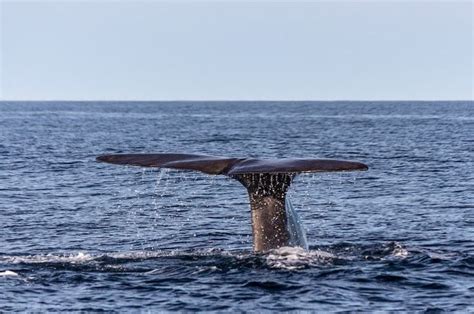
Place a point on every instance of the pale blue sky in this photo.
(254, 50)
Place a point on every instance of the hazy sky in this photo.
(196, 50)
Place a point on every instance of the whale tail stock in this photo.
(266, 180)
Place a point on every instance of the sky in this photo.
(236, 50)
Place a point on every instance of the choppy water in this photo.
(79, 235)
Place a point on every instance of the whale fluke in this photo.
(266, 180)
(231, 166)
(206, 164)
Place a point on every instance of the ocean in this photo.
(78, 235)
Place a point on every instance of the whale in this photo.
(267, 182)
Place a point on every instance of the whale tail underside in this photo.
(274, 222)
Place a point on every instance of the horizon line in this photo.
(236, 100)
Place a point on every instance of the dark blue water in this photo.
(80, 235)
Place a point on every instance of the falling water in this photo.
(295, 226)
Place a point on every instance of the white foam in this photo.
(8, 273)
(296, 258)
(76, 258)
(84, 257)
(400, 252)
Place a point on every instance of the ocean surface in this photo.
(78, 235)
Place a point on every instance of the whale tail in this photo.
(266, 180)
